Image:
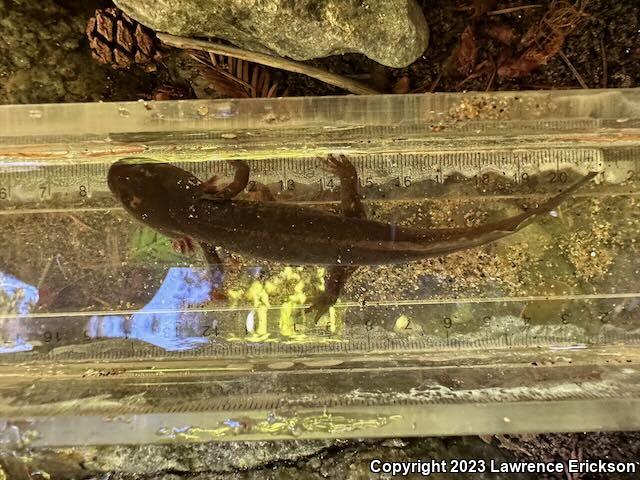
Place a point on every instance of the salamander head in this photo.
(149, 189)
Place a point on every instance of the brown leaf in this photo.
(564, 17)
(402, 85)
(530, 36)
(467, 52)
(531, 59)
(502, 33)
(225, 84)
(234, 78)
(170, 92)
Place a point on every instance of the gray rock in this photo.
(391, 32)
(287, 460)
(212, 457)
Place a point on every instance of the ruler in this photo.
(307, 397)
(525, 171)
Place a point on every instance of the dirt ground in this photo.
(475, 45)
(45, 56)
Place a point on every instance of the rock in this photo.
(391, 32)
(212, 457)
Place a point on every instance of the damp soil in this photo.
(45, 58)
(604, 50)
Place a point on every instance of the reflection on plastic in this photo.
(15, 297)
(162, 322)
(165, 321)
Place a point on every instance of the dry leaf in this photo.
(545, 39)
(467, 52)
(235, 78)
(531, 59)
(502, 33)
(402, 85)
(170, 92)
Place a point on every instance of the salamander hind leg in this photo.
(334, 281)
(338, 275)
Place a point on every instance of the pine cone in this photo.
(117, 39)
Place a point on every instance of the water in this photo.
(101, 317)
(93, 266)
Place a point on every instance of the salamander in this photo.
(177, 204)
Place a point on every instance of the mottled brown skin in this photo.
(179, 205)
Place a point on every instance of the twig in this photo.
(64, 274)
(479, 72)
(433, 86)
(545, 86)
(99, 300)
(604, 64)
(348, 84)
(44, 273)
(583, 84)
(493, 76)
(461, 83)
(513, 9)
(79, 222)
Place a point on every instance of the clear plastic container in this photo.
(107, 335)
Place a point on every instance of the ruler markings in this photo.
(182, 404)
(424, 165)
(266, 350)
(387, 303)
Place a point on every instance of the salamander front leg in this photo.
(216, 270)
(342, 168)
(183, 245)
(240, 180)
(186, 245)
